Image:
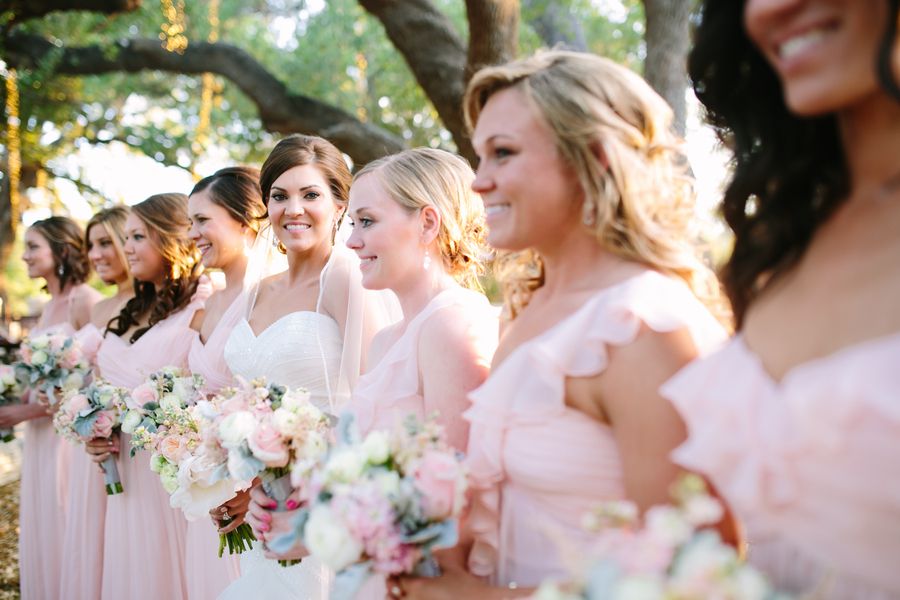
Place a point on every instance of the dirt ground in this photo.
(9, 541)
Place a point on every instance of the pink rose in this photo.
(69, 359)
(104, 424)
(172, 448)
(56, 343)
(25, 353)
(438, 476)
(142, 395)
(76, 404)
(266, 444)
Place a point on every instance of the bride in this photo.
(306, 326)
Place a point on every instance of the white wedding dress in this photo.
(301, 349)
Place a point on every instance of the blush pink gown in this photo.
(144, 538)
(207, 574)
(392, 390)
(810, 463)
(43, 483)
(82, 544)
(537, 465)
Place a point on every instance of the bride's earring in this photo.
(426, 262)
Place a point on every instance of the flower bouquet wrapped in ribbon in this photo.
(51, 362)
(268, 431)
(10, 393)
(92, 413)
(383, 504)
(670, 553)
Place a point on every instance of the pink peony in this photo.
(266, 444)
(76, 404)
(104, 424)
(172, 448)
(439, 478)
(142, 395)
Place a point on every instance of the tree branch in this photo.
(556, 25)
(22, 10)
(426, 39)
(279, 110)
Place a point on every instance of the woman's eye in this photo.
(311, 195)
(278, 197)
(365, 221)
(502, 152)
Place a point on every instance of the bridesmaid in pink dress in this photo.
(578, 177)
(225, 210)
(54, 251)
(144, 538)
(419, 231)
(797, 420)
(82, 544)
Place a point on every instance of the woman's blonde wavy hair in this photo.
(423, 177)
(616, 134)
(113, 222)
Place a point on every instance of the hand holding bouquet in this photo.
(270, 431)
(384, 504)
(667, 555)
(10, 393)
(52, 362)
(93, 413)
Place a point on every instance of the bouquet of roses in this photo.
(52, 361)
(668, 556)
(94, 412)
(270, 431)
(10, 393)
(383, 504)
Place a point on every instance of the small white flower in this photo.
(703, 510)
(295, 400)
(170, 402)
(236, 427)
(376, 447)
(388, 482)
(132, 419)
(284, 421)
(329, 540)
(75, 381)
(345, 466)
(41, 341)
(39, 357)
(638, 588)
(667, 524)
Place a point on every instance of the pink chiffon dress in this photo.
(810, 463)
(43, 484)
(82, 544)
(392, 390)
(207, 574)
(537, 465)
(144, 538)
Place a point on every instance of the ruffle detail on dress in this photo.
(90, 338)
(747, 431)
(578, 346)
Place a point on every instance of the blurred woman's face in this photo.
(144, 258)
(38, 256)
(824, 51)
(218, 236)
(104, 257)
(530, 194)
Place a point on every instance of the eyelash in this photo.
(278, 197)
(364, 221)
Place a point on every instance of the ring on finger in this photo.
(396, 591)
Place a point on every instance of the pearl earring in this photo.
(426, 262)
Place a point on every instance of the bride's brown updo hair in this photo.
(167, 222)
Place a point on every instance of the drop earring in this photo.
(426, 262)
(587, 214)
(60, 270)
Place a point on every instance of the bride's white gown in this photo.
(301, 349)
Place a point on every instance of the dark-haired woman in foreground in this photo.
(797, 421)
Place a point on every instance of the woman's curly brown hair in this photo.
(66, 240)
(166, 218)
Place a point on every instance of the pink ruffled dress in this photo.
(144, 538)
(80, 574)
(207, 574)
(537, 465)
(43, 484)
(387, 394)
(811, 464)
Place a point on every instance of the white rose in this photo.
(8, 378)
(170, 402)
(346, 466)
(295, 400)
(157, 463)
(169, 478)
(75, 381)
(105, 397)
(41, 341)
(314, 444)
(132, 419)
(376, 447)
(329, 540)
(667, 524)
(183, 387)
(284, 421)
(703, 510)
(39, 357)
(236, 427)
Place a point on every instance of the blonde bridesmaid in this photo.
(82, 545)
